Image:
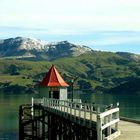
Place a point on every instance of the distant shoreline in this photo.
(130, 120)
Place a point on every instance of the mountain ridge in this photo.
(36, 49)
(28, 47)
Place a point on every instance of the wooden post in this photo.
(21, 127)
(109, 127)
(79, 113)
(84, 112)
(116, 125)
(61, 105)
(67, 108)
(43, 123)
(32, 109)
(90, 115)
(64, 106)
(98, 109)
(70, 108)
(49, 127)
(99, 130)
(75, 109)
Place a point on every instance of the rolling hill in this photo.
(98, 71)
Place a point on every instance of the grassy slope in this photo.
(103, 70)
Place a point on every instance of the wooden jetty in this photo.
(53, 119)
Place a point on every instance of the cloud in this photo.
(116, 40)
(72, 15)
(108, 40)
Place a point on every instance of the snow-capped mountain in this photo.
(20, 47)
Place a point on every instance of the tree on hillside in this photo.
(84, 84)
(13, 69)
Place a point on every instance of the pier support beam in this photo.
(46, 125)
(63, 120)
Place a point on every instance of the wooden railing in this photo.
(108, 120)
(74, 109)
(105, 117)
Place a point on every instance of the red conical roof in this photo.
(53, 79)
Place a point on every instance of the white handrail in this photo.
(86, 111)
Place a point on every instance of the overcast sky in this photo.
(96, 23)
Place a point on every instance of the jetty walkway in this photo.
(53, 119)
(129, 130)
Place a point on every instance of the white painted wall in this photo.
(63, 93)
(44, 92)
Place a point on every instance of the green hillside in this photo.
(97, 71)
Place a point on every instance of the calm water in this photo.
(129, 103)
(9, 105)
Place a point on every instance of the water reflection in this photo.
(129, 103)
(8, 136)
(9, 106)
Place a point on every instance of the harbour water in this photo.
(9, 106)
(129, 103)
